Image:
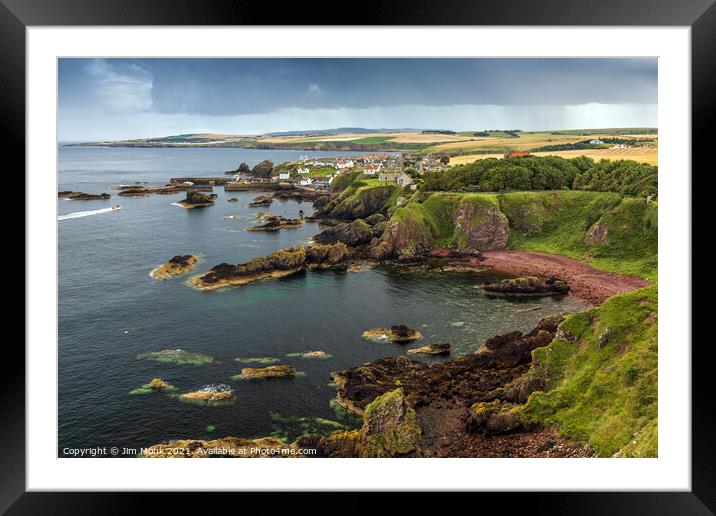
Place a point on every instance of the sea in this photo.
(111, 310)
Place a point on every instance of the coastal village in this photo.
(319, 173)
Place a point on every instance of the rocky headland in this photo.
(278, 264)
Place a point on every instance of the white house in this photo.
(596, 142)
(371, 169)
(342, 165)
(303, 170)
(404, 179)
(389, 176)
(283, 175)
(306, 181)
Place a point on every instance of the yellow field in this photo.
(397, 137)
(648, 155)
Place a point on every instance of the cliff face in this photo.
(606, 230)
(357, 203)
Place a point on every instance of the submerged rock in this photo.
(176, 356)
(399, 334)
(278, 264)
(196, 199)
(232, 199)
(529, 285)
(177, 265)
(431, 349)
(258, 360)
(276, 371)
(310, 354)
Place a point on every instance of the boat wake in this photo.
(80, 214)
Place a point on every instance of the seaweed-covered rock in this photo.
(310, 355)
(81, 196)
(400, 334)
(155, 385)
(276, 223)
(278, 264)
(275, 371)
(257, 360)
(390, 429)
(530, 285)
(209, 394)
(431, 349)
(176, 356)
(177, 265)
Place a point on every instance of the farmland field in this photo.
(648, 155)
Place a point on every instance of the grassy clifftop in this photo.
(601, 377)
(604, 229)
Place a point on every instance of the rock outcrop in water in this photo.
(261, 201)
(176, 266)
(431, 349)
(81, 196)
(275, 223)
(278, 264)
(528, 286)
(195, 199)
(209, 394)
(176, 356)
(399, 334)
(274, 371)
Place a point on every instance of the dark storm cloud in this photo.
(247, 86)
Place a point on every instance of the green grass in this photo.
(558, 222)
(555, 222)
(601, 386)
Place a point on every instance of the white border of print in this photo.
(671, 470)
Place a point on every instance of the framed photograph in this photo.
(420, 252)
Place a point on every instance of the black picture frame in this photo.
(17, 15)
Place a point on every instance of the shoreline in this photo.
(587, 283)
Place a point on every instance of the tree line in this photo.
(625, 177)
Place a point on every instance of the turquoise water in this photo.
(110, 309)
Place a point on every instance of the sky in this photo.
(110, 99)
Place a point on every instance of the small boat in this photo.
(116, 207)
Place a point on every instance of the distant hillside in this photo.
(340, 130)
